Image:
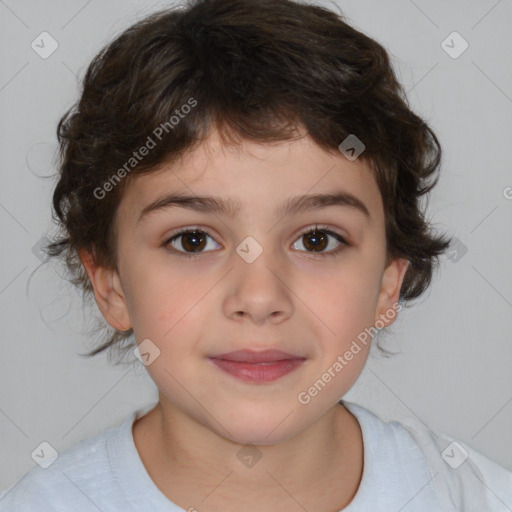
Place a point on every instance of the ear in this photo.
(390, 291)
(108, 292)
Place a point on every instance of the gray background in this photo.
(453, 371)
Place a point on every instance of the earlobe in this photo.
(108, 293)
(390, 291)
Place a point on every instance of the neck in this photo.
(195, 467)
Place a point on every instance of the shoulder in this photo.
(460, 475)
(395, 472)
(385, 439)
(463, 474)
(72, 480)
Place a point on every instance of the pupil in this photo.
(191, 241)
(317, 238)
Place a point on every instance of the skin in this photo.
(289, 298)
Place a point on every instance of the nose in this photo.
(259, 291)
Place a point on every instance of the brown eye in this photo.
(318, 240)
(315, 240)
(192, 241)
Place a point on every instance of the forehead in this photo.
(254, 176)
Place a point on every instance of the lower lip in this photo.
(262, 372)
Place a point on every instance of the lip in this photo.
(253, 356)
(257, 367)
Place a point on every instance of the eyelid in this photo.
(321, 227)
(344, 242)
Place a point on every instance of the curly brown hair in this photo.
(255, 70)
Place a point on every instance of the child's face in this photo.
(309, 304)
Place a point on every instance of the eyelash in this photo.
(200, 230)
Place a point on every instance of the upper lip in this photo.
(252, 356)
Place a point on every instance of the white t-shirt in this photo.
(404, 470)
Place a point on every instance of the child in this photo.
(240, 188)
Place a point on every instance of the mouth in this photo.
(257, 367)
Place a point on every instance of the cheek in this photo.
(170, 309)
(345, 309)
(343, 301)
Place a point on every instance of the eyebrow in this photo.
(232, 208)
